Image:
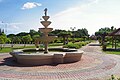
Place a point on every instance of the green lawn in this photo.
(22, 47)
(9, 49)
(112, 52)
(5, 50)
(110, 45)
(56, 44)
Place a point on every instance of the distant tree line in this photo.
(76, 34)
(105, 30)
(30, 37)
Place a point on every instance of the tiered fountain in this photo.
(41, 58)
(45, 38)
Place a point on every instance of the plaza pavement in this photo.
(94, 65)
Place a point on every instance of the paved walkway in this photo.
(94, 65)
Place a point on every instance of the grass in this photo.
(22, 47)
(109, 45)
(5, 50)
(55, 44)
(9, 49)
(112, 52)
(117, 52)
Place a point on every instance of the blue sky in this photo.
(22, 15)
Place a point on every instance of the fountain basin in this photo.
(45, 17)
(47, 38)
(45, 23)
(45, 30)
(46, 59)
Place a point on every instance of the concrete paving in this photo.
(94, 65)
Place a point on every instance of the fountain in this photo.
(43, 56)
(45, 39)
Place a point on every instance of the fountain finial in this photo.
(45, 11)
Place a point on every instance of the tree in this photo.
(22, 34)
(56, 32)
(10, 35)
(81, 33)
(16, 39)
(33, 32)
(65, 36)
(34, 37)
(8, 40)
(26, 39)
(3, 39)
(104, 30)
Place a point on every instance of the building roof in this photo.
(115, 33)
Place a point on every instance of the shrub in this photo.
(70, 39)
(113, 78)
(80, 45)
(72, 45)
(84, 43)
(56, 44)
(58, 40)
(76, 45)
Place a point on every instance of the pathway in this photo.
(94, 65)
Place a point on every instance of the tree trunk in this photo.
(63, 40)
(112, 41)
(115, 44)
(1, 47)
(24, 44)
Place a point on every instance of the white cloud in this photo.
(72, 17)
(93, 1)
(14, 25)
(30, 5)
(91, 15)
(10, 27)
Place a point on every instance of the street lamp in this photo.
(5, 27)
(73, 28)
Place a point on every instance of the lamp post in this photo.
(5, 27)
(73, 28)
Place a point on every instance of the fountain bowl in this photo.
(55, 56)
(45, 17)
(47, 39)
(45, 30)
(45, 23)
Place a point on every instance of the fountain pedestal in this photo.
(45, 38)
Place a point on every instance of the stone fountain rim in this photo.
(45, 59)
(21, 51)
(44, 28)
